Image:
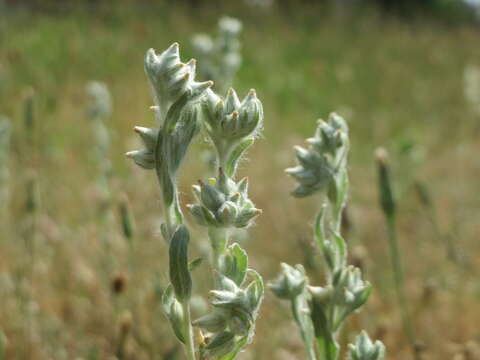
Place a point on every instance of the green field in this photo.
(399, 85)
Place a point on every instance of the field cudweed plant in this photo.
(220, 58)
(321, 311)
(183, 108)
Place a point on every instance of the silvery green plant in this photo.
(177, 109)
(322, 167)
(223, 205)
(220, 58)
(5, 135)
(321, 311)
(183, 108)
(99, 110)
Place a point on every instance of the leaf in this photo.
(235, 264)
(179, 269)
(174, 312)
(341, 250)
(235, 155)
(319, 319)
(319, 228)
(173, 140)
(222, 344)
(232, 355)
(255, 290)
(324, 245)
(328, 348)
(194, 264)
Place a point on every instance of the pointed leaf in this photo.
(235, 156)
(179, 272)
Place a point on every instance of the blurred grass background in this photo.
(399, 83)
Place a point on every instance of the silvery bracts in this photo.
(322, 167)
(176, 95)
(365, 349)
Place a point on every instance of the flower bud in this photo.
(321, 295)
(223, 203)
(211, 197)
(143, 158)
(148, 136)
(290, 283)
(230, 120)
(212, 322)
(324, 162)
(350, 290)
(365, 349)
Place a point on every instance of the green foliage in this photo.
(179, 267)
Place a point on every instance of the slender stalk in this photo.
(301, 318)
(169, 218)
(389, 207)
(218, 241)
(189, 341)
(399, 281)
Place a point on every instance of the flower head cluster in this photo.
(324, 160)
(346, 293)
(231, 119)
(170, 78)
(232, 319)
(290, 283)
(365, 349)
(223, 203)
(173, 82)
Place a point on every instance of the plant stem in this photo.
(189, 342)
(218, 241)
(399, 280)
(302, 320)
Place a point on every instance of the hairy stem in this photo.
(303, 321)
(189, 342)
(219, 242)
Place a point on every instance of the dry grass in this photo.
(394, 83)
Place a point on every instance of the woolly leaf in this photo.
(179, 268)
